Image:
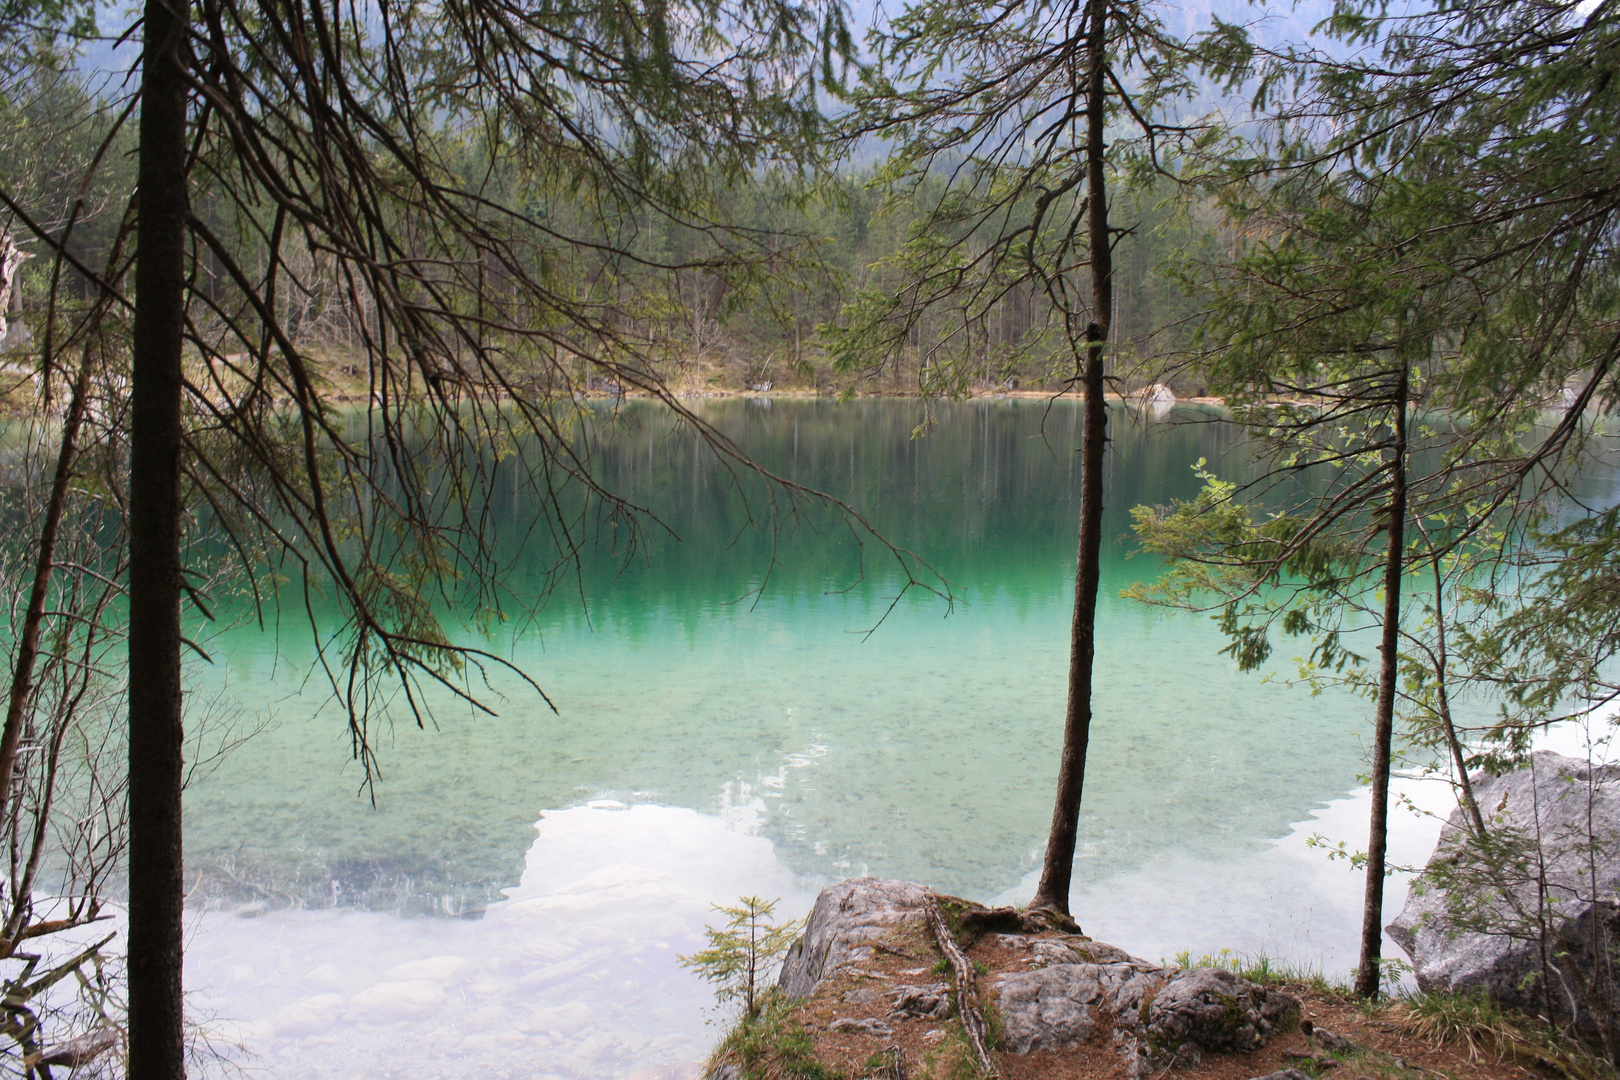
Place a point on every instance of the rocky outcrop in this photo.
(1072, 986)
(847, 921)
(1473, 927)
(1159, 1015)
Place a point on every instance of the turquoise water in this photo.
(924, 750)
(711, 740)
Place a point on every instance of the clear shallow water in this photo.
(573, 973)
(764, 748)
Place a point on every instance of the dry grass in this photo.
(1475, 1025)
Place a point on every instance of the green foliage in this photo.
(771, 1045)
(1553, 634)
(1280, 570)
(987, 170)
(744, 952)
(1473, 1020)
(1432, 195)
(483, 213)
(995, 1027)
(41, 34)
(1485, 1030)
(1263, 969)
(1423, 206)
(952, 1058)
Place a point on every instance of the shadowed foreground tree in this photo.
(366, 142)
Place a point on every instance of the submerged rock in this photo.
(1480, 935)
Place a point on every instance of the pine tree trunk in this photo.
(156, 883)
(1058, 866)
(1372, 912)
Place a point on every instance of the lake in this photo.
(514, 900)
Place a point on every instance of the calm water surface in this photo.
(514, 902)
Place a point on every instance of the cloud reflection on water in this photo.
(575, 974)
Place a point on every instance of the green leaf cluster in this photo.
(744, 952)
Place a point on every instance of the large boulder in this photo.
(1165, 1014)
(1214, 1010)
(1054, 1008)
(1470, 923)
(848, 919)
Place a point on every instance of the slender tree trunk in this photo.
(1459, 760)
(1058, 866)
(22, 674)
(1372, 912)
(156, 882)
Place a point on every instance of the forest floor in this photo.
(822, 1037)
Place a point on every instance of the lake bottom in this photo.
(576, 972)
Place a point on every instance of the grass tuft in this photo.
(1484, 1028)
(1264, 970)
(771, 1046)
(952, 1059)
(1471, 1021)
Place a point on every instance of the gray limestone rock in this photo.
(1570, 810)
(1053, 1008)
(1050, 953)
(1136, 991)
(931, 1000)
(875, 1028)
(1074, 951)
(1216, 1009)
(847, 917)
(1284, 1074)
(1098, 952)
(1329, 1041)
(1188, 1055)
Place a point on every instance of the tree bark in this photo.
(156, 882)
(1372, 911)
(1057, 868)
